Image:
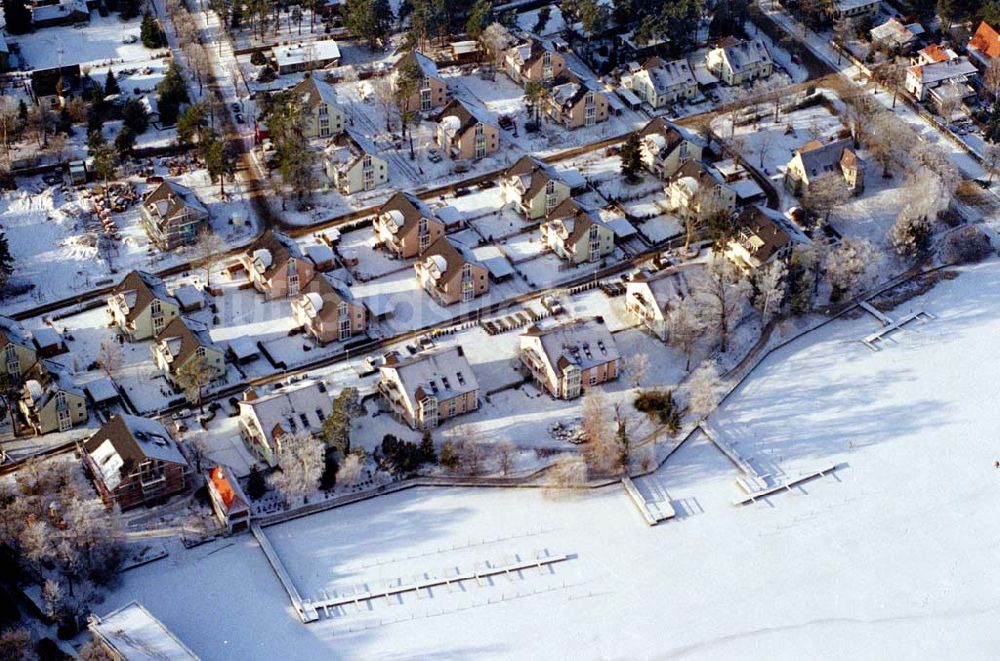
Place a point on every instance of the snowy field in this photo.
(97, 44)
(877, 561)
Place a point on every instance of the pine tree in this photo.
(256, 485)
(171, 94)
(135, 116)
(6, 260)
(150, 32)
(17, 16)
(631, 156)
(427, 453)
(111, 84)
(125, 143)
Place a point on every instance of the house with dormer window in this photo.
(172, 216)
(406, 225)
(432, 90)
(665, 146)
(276, 266)
(183, 341)
(534, 187)
(450, 273)
(566, 359)
(426, 389)
(327, 311)
(269, 420)
(141, 307)
(50, 401)
(323, 117)
(577, 234)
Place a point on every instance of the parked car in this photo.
(433, 155)
(131, 39)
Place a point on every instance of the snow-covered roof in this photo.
(243, 348)
(293, 409)
(742, 55)
(101, 390)
(47, 13)
(851, 5)
(314, 51)
(134, 634)
(46, 337)
(584, 343)
(319, 253)
(442, 373)
(126, 441)
(936, 72)
(189, 296)
(665, 76)
(621, 227)
(494, 261)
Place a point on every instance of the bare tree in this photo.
(850, 266)
(704, 389)
(721, 293)
(110, 357)
(506, 453)
(350, 469)
(192, 378)
(826, 194)
(210, 248)
(603, 449)
(301, 464)
(771, 288)
(568, 470)
(684, 327)
(637, 364)
(764, 142)
(991, 78)
(384, 94)
(991, 156)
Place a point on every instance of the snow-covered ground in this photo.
(893, 552)
(96, 45)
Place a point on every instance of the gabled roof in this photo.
(325, 294)
(526, 53)
(126, 441)
(672, 134)
(743, 55)
(466, 115)
(986, 40)
(763, 232)
(348, 147)
(312, 92)
(424, 64)
(46, 378)
(182, 339)
(406, 210)
(584, 343)
(140, 289)
(11, 332)
(170, 199)
(443, 374)
(134, 634)
(934, 53)
(935, 72)
(292, 409)
(570, 88)
(222, 481)
(664, 76)
(699, 172)
(533, 173)
(272, 251)
(665, 286)
(575, 219)
(820, 159)
(449, 258)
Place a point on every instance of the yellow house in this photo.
(577, 234)
(18, 354)
(141, 307)
(182, 342)
(353, 165)
(49, 400)
(534, 187)
(698, 191)
(738, 62)
(323, 117)
(665, 146)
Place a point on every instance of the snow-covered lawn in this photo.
(97, 44)
(893, 552)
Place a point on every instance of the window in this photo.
(550, 196)
(423, 229)
(156, 307)
(451, 407)
(323, 110)
(593, 377)
(200, 352)
(425, 99)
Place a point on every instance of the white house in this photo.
(267, 421)
(737, 62)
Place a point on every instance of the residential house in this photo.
(450, 273)
(575, 101)
(738, 62)
(353, 165)
(172, 216)
(815, 160)
(65, 12)
(276, 266)
(896, 36)
(268, 421)
(426, 389)
(660, 83)
(534, 61)
(649, 299)
(229, 503)
(134, 461)
(432, 90)
(323, 117)
(18, 352)
(184, 341)
(48, 342)
(328, 312)
(52, 87)
(762, 235)
(698, 191)
(665, 146)
(577, 233)
(131, 633)
(840, 9)
(933, 53)
(293, 58)
(141, 307)
(406, 226)
(466, 132)
(922, 78)
(534, 187)
(568, 358)
(50, 401)
(984, 46)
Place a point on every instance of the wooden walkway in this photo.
(306, 612)
(652, 511)
(875, 340)
(787, 485)
(478, 575)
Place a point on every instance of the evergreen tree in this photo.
(65, 123)
(95, 140)
(128, 9)
(135, 116)
(328, 479)
(17, 16)
(478, 16)
(111, 84)
(427, 453)
(6, 261)
(150, 32)
(631, 156)
(256, 485)
(368, 19)
(191, 122)
(125, 142)
(220, 161)
(171, 94)
(22, 111)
